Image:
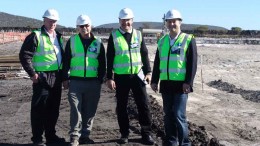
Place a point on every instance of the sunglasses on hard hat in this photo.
(86, 25)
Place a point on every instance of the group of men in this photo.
(83, 65)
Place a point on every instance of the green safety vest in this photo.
(84, 64)
(173, 58)
(127, 60)
(44, 58)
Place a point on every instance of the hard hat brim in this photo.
(126, 17)
(52, 18)
(83, 24)
(173, 19)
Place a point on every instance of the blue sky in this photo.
(224, 13)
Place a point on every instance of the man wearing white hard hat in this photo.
(41, 57)
(127, 56)
(175, 67)
(85, 60)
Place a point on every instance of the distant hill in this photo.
(158, 25)
(8, 20)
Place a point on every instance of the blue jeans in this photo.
(175, 123)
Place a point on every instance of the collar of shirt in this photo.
(123, 32)
(51, 35)
(172, 40)
(86, 42)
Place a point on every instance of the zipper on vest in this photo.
(168, 59)
(131, 64)
(85, 54)
(61, 49)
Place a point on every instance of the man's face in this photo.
(174, 25)
(84, 29)
(50, 24)
(126, 24)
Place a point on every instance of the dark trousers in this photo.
(44, 110)
(123, 86)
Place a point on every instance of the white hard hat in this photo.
(173, 14)
(51, 14)
(83, 19)
(126, 13)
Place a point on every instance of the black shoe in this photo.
(148, 140)
(54, 139)
(123, 140)
(168, 143)
(39, 143)
(86, 140)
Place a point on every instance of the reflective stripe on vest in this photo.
(84, 65)
(44, 58)
(127, 60)
(173, 58)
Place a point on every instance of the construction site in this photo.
(223, 110)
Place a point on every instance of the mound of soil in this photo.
(251, 95)
(198, 135)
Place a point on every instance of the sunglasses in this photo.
(86, 25)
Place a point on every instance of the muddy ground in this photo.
(223, 110)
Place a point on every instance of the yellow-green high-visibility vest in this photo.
(84, 64)
(173, 58)
(44, 58)
(127, 60)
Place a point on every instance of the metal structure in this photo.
(164, 28)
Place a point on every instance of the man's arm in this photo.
(145, 57)
(26, 53)
(191, 66)
(110, 57)
(156, 69)
(102, 63)
(66, 61)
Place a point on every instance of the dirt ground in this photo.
(223, 110)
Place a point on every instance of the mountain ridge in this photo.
(159, 25)
(10, 20)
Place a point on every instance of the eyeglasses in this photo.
(86, 25)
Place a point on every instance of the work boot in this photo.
(54, 139)
(74, 142)
(86, 140)
(123, 140)
(169, 143)
(39, 143)
(148, 140)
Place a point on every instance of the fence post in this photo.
(201, 72)
(13, 36)
(3, 37)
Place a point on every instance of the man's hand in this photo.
(34, 78)
(111, 84)
(186, 88)
(65, 84)
(154, 87)
(147, 78)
